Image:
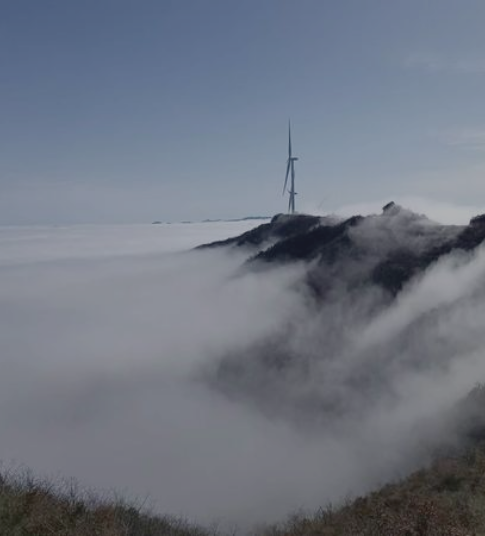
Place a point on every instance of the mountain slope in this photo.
(445, 499)
(387, 310)
(391, 247)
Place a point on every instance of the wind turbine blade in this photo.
(289, 139)
(289, 204)
(287, 174)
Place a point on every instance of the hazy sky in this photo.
(124, 110)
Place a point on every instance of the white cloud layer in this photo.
(104, 332)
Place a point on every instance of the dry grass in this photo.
(445, 499)
(29, 507)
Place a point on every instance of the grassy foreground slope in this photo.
(32, 508)
(445, 499)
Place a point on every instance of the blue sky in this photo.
(131, 111)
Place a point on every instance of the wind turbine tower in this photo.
(290, 167)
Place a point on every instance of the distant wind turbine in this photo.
(290, 167)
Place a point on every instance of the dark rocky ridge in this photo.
(352, 271)
(388, 249)
(279, 228)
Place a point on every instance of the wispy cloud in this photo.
(463, 137)
(436, 63)
(437, 210)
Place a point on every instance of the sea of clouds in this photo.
(108, 335)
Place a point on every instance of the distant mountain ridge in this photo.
(246, 218)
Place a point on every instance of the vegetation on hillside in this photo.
(446, 498)
(30, 507)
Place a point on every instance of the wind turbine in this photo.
(290, 167)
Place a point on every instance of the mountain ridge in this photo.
(328, 240)
(369, 308)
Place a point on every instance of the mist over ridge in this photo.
(243, 381)
(387, 336)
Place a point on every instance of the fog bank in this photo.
(111, 339)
